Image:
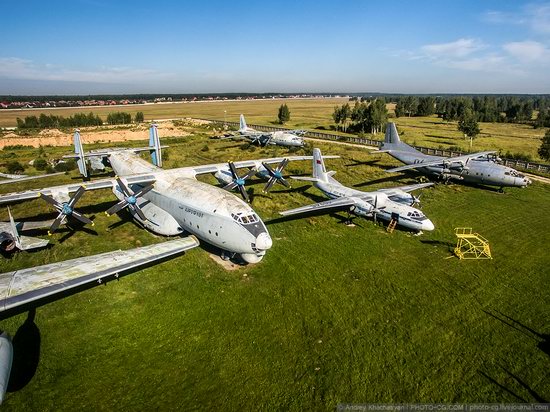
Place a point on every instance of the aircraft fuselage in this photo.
(181, 203)
(479, 171)
(388, 209)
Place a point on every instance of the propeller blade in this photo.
(78, 194)
(115, 208)
(82, 218)
(56, 223)
(250, 173)
(233, 170)
(282, 165)
(50, 200)
(269, 184)
(138, 212)
(244, 194)
(230, 186)
(284, 182)
(268, 168)
(123, 188)
(141, 192)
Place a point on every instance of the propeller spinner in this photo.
(239, 181)
(275, 175)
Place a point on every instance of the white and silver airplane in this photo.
(387, 204)
(167, 202)
(474, 168)
(280, 137)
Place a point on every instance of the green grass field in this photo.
(332, 314)
(317, 113)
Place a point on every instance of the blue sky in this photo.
(100, 46)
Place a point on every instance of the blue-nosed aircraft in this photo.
(387, 204)
(478, 167)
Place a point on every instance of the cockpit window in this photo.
(245, 219)
(415, 215)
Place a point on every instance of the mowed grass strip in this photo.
(332, 314)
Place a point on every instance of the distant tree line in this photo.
(365, 116)
(51, 121)
(488, 108)
(77, 120)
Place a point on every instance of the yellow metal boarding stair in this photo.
(471, 245)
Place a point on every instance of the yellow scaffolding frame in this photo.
(471, 245)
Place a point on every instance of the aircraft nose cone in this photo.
(427, 225)
(528, 181)
(263, 241)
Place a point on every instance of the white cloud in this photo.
(531, 51)
(17, 68)
(535, 16)
(459, 48)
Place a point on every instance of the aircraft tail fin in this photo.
(391, 134)
(14, 231)
(319, 170)
(392, 142)
(80, 159)
(154, 145)
(242, 123)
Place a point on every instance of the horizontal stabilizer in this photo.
(305, 178)
(28, 243)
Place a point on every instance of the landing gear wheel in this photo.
(500, 190)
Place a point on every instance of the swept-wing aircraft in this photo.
(478, 167)
(11, 240)
(25, 289)
(387, 204)
(280, 137)
(167, 202)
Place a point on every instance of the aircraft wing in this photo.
(444, 161)
(25, 178)
(408, 188)
(332, 204)
(28, 285)
(213, 168)
(73, 187)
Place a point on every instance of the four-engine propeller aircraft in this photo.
(474, 168)
(280, 137)
(168, 202)
(387, 204)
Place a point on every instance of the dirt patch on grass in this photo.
(108, 134)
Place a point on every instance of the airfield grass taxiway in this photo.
(332, 314)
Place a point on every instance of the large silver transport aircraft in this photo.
(480, 168)
(168, 202)
(387, 204)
